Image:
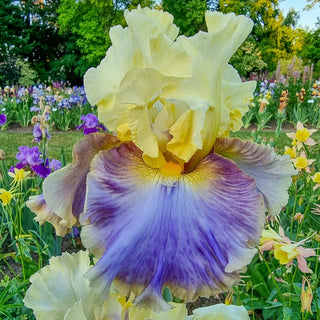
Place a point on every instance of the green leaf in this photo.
(287, 313)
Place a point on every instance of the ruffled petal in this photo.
(271, 172)
(156, 20)
(219, 93)
(145, 55)
(220, 312)
(130, 207)
(57, 287)
(64, 190)
(38, 205)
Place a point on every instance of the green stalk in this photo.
(273, 279)
(294, 208)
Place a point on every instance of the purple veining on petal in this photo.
(271, 172)
(64, 190)
(204, 225)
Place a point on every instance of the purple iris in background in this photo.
(38, 134)
(91, 124)
(34, 109)
(55, 164)
(31, 157)
(3, 119)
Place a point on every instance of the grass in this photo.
(10, 141)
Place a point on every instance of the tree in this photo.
(44, 46)
(310, 51)
(188, 15)
(11, 42)
(291, 18)
(270, 31)
(86, 24)
(312, 3)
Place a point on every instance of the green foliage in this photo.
(11, 27)
(272, 33)
(311, 49)
(247, 59)
(11, 42)
(81, 23)
(291, 18)
(188, 16)
(61, 39)
(28, 76)
(85, 25)
(11, 295)
(288, 66)
(312, 4)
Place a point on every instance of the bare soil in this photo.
(286, 127)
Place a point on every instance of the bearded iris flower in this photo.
(168, 199)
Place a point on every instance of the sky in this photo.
(307, 18)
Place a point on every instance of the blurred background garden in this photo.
(45, 49)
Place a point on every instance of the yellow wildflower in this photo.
(285, 253)
(5, 196)
(284, 249)
(290, 151)
(18, 176)
(263, 104)
(316, 179)
(302, 163)
(302, 136)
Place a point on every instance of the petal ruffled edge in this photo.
(271, 172)
(38, 205)
(64, 190)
